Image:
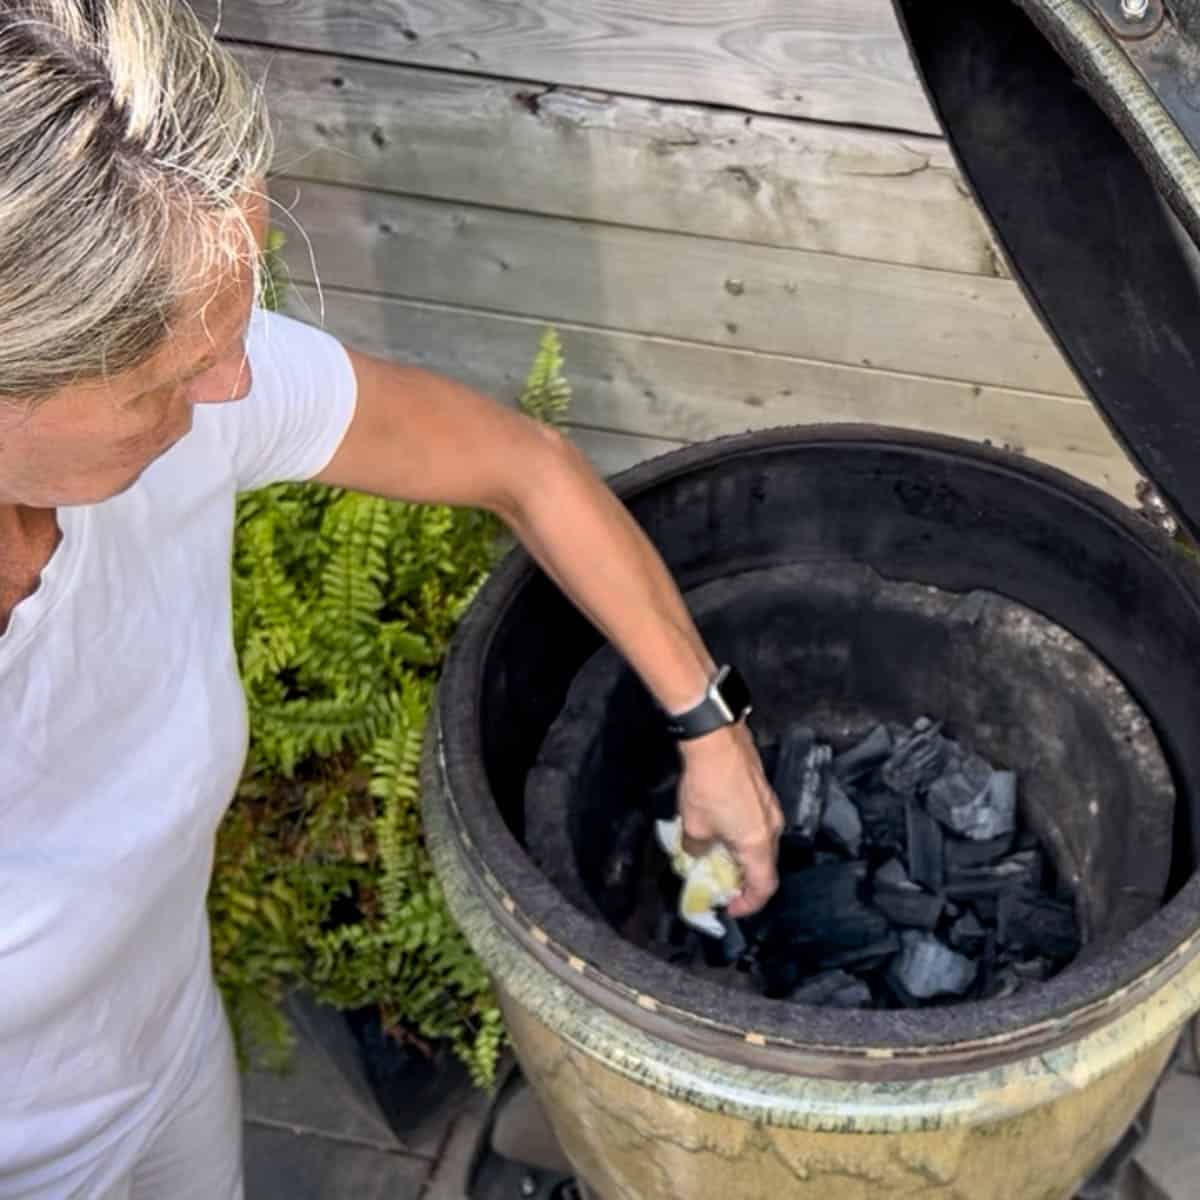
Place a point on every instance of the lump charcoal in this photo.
(903, 902)
(927, 968)
(1000, 984)
(908, 908)
(685, 946)
(822, 990)
(883, 818)
(806, 809)
(864, 958)
(893, 875)
(840, 821)
(984, 906)
(1033, 925)
(822, 907)
(955, 796)
(925, 840)
(974, 801)
(968, 935)
(827, 857)
(917, 759)
(795, 853)
(780, 975)
(855, 994)
(1016, 873)
(860, 760)
(964, 855)
(794, 745)
(1033, 970)
(726, 950)
(801, 778)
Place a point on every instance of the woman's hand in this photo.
(724, 796)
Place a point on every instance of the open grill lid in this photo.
(1077, 124)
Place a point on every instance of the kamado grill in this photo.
(861, 577)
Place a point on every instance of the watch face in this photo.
(735, 694)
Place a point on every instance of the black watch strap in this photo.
(726, 702)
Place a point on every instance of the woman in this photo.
(140, 390)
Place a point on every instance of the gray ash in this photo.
(906, 879)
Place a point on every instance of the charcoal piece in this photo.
(1034, 970)
(964, 855)
(780, 975)
(822, 989)
(1026, 840)
(827, 857)
(974, 801)
(795, 852)
(860, 760)
(805, 809)
(794, 745)
(685, 949)
(864, 958)
(926, 967)
(968, 935)
(893, 875)
(821, 907)
(908, 908)
(883, 818)
(985, 903)
(801, 778)
(855, 994)
(960, 789)
(1018, 872)
(917, 759)
(925, 841)
(1032, 925)
(1000, 984)
(840, 821)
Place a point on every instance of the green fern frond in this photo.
(547, 394)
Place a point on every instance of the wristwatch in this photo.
(726, 702)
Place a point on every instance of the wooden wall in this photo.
(736, 214)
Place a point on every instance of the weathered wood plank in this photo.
(679, 392)
(726, 293)
(624, 161)
(831, 60)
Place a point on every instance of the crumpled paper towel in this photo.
(709, 882)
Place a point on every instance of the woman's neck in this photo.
(28, 538)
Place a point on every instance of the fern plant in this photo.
(343, 608)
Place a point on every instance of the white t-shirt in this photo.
(123, 736)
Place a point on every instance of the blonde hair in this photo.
(129, 142)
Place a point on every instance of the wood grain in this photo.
(678, 167)
(830, 60)
(774, 300)
(675, 392)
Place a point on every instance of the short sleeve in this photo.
(301, 401)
